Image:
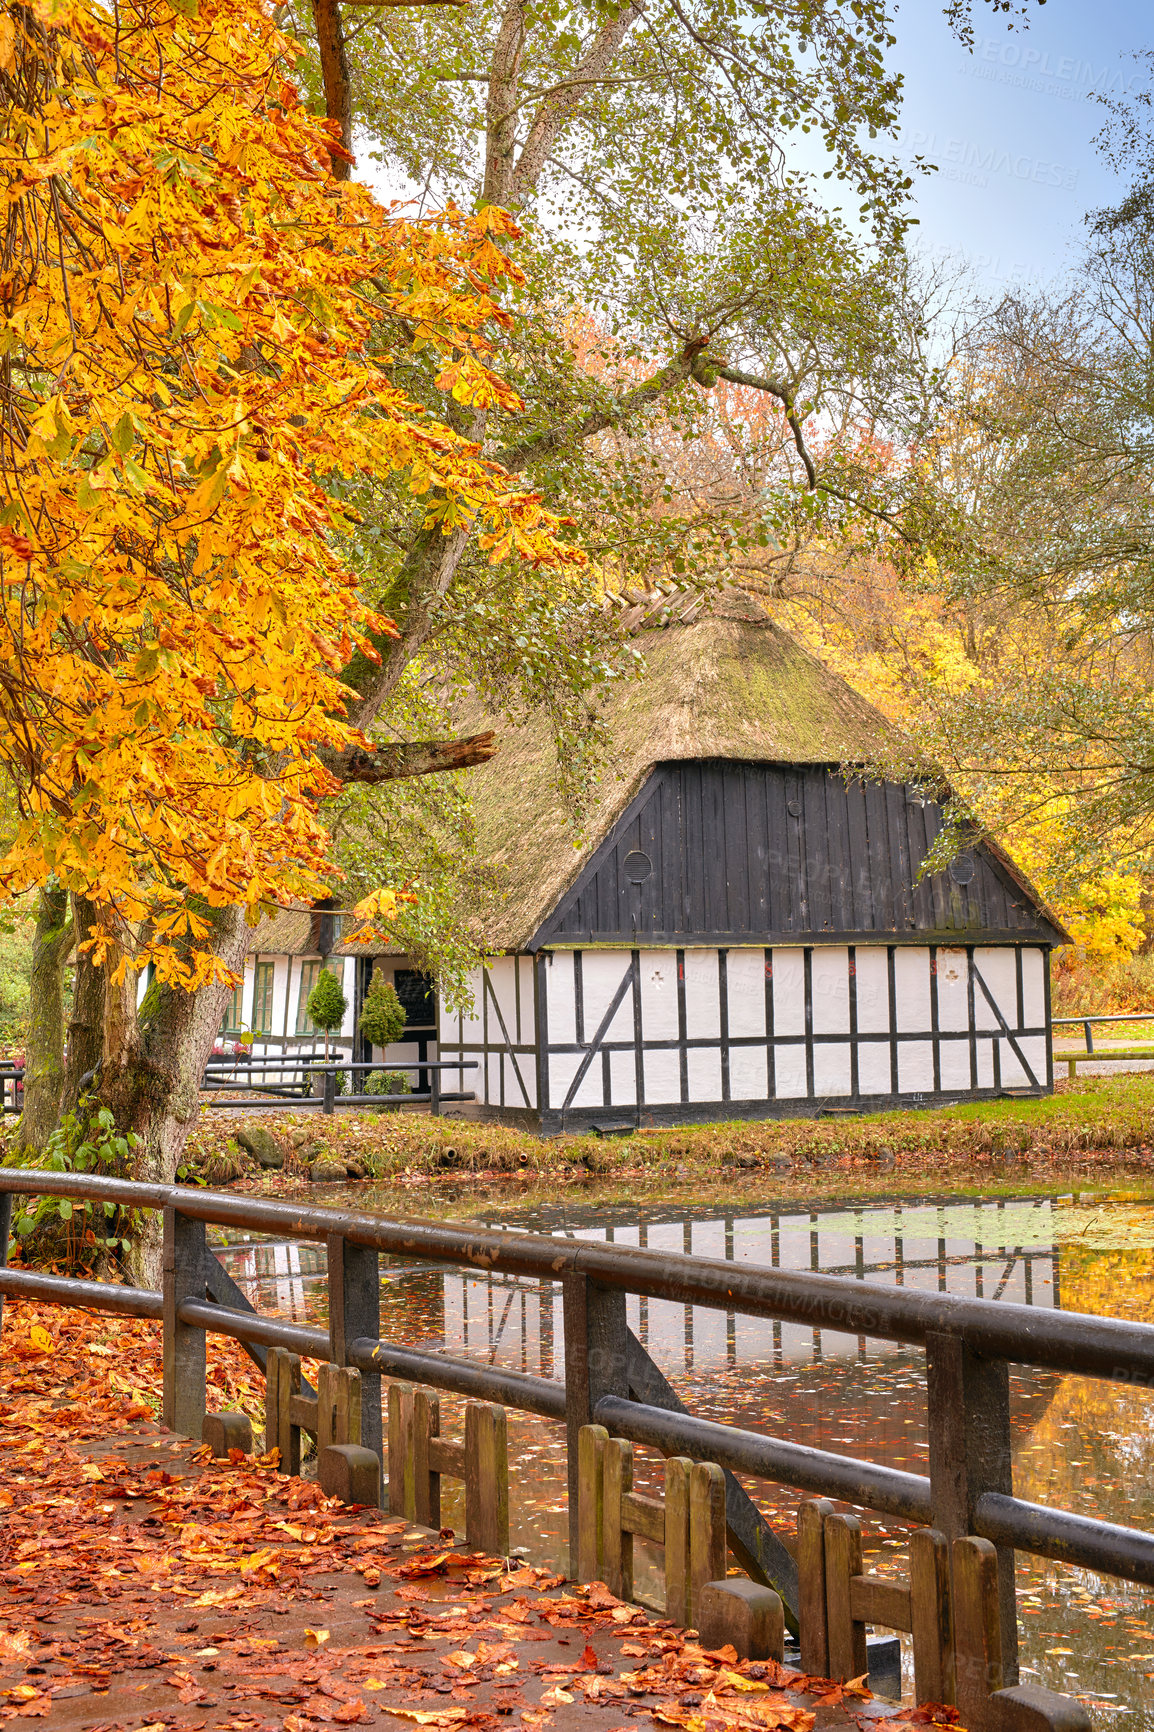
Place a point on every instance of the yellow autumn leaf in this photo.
(40, 1338)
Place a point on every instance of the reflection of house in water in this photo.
(997, 1250)
(283, 1277)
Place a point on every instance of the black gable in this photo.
(719, 851)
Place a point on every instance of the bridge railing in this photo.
(610, 1380)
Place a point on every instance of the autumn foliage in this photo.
(200, 333)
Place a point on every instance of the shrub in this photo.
(78, 1233)
(388, 1082)
(382, 1018)
(327, 1004)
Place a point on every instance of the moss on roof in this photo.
(290, 931)
(731, 684)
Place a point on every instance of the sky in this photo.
(1011, 126)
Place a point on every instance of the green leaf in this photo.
(123, 435)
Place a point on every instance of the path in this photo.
(143, 1585)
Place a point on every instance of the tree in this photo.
(44, 1065)
(1043, 469)
(382, 1019)
(327, 1004)
(201, 331)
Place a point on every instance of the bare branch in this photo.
(395, 763)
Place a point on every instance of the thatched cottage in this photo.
(742, 930)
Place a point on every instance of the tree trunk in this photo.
(152, 1076)
(336, 76)
(44, 1064)
(86, 1025)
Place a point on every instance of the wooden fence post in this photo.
(183, 1277)
(845, 1634)
(591, 1502)
(968, 1405)
(811, 1585)
(282, 1382)
(400, 1449)
(977, 1631)
(677, 1592)
(5, 1235)
(931, 1616)
(354, 1279)
(425, 1425)
(486, 1478)
(616, 1544)
(707, 1536)
(596, 1337)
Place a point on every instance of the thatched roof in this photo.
(288, 932)
(723, 684)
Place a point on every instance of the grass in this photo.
(1098, 1130)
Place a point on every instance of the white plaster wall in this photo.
(955, 1064)
(873, 990)
(789, 995)
(833, 1060)
(702, 997)
(560, 998)
(602, 972)
(873, 1067)
(658, 971)
(912, 989)
(662, 1077)
(1034, 988)
(748, 1073)
(832, 1074)
(745, 973)
(829, 976)
(954, 993)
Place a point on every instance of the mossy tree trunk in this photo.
(86, 1024)
(152, 1071)
(44, 1063)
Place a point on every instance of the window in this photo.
(310, 972)
(262, 998)
(233, 1017)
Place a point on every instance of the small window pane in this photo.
(309, 974)
(262, 998)
(232, 1016)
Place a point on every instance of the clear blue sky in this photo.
(1011, 127)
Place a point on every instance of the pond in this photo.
(1078, 1443)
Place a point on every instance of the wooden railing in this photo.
(966, 1499)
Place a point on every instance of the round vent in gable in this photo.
(638, 867)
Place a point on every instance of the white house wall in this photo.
(748, 1025)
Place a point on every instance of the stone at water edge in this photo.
(261, 1145)
(327, 1172)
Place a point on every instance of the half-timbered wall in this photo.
(702, 1032)
(499, 1032)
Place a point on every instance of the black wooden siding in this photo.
(771, 852)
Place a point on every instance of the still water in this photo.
(1079, 1444)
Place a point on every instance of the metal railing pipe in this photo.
(84, 1295)
(248, 1326)
(1071, 1539)
(816, 1470)
(539, 1395)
